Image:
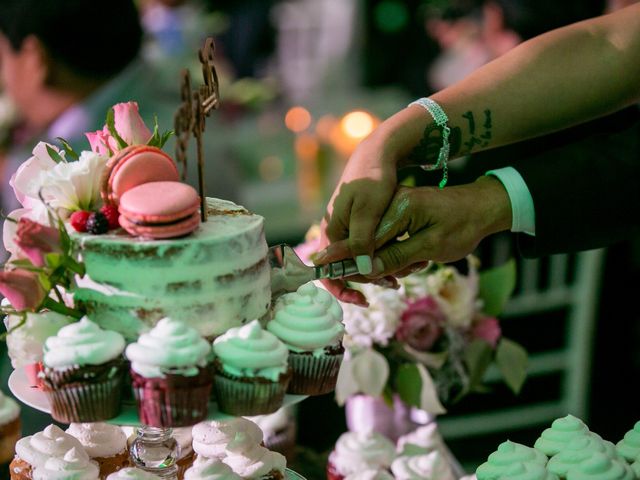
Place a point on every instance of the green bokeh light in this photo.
(391, 16)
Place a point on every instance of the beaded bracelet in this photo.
(441, 120)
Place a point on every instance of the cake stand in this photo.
(155, 449)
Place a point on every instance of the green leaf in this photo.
(158, 140)
(53, 260)
(68, 148)
(408, 384)
(55, 156)
(111, 126)
(496, 286)
(477, 356)
(512, 362)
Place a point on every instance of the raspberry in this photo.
(97, 223)
(79, 220)
(111, 212)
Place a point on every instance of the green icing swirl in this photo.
(561, 432)
(600, 467)
(629, 446)
(508, 454)
(527, 471)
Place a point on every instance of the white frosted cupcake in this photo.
(309, 323)
(34, 450)
(422, 440)
(210, 469)
(73, 465)
(170, 377)
(252, 461)
(10, 428)
(210, 438)
(105, 444)
(84, 372)
(430, 466)
(629, 446)
(132, 473)
(358, 451)
(251, 370)
(370, 475)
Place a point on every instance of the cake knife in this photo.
(288, 271)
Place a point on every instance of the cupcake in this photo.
(507, 454)
(169, 373)
(430, 466)
(422, 440)
(210, 438)
(186, 455)
(370, 475)
(105, 444)
(25, 344)
(210, 469)
(132, 473)
(251, 371)
(635, 467)
(601, 467)
(84, 372)
(73, 465)
(561, 432)
(10, 428)
(358, 451)
(309, 323)
(577, 451)
(527, 471)
(252, 461)
(33, 451)
(278, 431)
(629, 446)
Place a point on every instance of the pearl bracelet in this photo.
(441, 120)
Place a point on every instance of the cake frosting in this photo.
(132, 473)
(216, 278)
(527, 471)
(82, 343)
(307, 320)
(25, 344)
(629, 446)
(422, 440)
(9, 409)
(73, 465)
(355, 451)
(507, 454)
(430, 466)
(251, 351)
(561, 432)
(50, 443)
(601, 467)
(578, 450)
(210, 438)
(210, 469)
(99, 439)
(252, 461)
(170, 347)
(370, 475)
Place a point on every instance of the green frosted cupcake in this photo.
(629, 446)
(561, 432)
(508, 454)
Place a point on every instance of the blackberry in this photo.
(97, 223)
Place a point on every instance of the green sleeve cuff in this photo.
(522, 208)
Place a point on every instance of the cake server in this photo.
(288, 271)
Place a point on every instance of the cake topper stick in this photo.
(190, 117)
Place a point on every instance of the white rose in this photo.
(27, 180)
(456, 295)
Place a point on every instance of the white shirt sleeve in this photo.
(523, 212)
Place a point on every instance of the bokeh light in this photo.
(271, 168)
(297, 119)
(357, 124)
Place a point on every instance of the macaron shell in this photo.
(178, 229)
(159, 202)
(139, 165)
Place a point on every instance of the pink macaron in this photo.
(160, 210)
(133, 166)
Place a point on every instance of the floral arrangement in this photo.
(431, 341)
(54, 185)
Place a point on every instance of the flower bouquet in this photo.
(431, 341)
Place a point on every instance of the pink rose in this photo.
(22, 289)
(487, 329)
(421, 324)
(36, 240)
(129, 125)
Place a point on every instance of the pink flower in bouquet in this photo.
(22, 289)
(129, 125)
(487, 329)
(421, 324)
(36, 240)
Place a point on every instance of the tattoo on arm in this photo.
(482, 139)
(427, 150)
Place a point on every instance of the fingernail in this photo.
(318, 257)
(365, 267)
(378, 266)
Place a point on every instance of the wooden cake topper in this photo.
(190, 116)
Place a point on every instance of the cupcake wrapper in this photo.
(33, 371)
(249, 396)
(172, 401)
(313, 375)
(10, 433)
(20, 470)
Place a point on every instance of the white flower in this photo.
(27, 180)
(38, 214)
(378, 322)
(456, 295)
